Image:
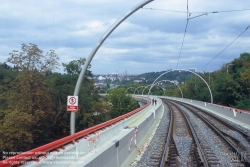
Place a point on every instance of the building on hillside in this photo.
(100, 85)
(101, 78)
(138, 81)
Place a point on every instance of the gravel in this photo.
(217, 146)
(155, 149)
(183, 145)
(216, 150)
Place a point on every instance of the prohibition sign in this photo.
(72, 103)
(72, 100)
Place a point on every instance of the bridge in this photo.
(164, 134)
(118, 142)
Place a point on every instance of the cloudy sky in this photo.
(149, 40)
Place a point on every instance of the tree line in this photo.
(230, 85)
(33, 99)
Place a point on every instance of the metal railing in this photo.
(34, 154)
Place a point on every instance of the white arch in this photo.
(129, 88)
(137, 89)
(148, 86)
(171, 82)
(186, 71)
(93, 52)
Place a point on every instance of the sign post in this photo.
(72, 103)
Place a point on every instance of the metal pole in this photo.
(186, 71)
(137, 89)
(170, 82)
(93, 52)
(128, 89)
(144, 89)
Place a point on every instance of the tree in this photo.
(107, 83)
(31, 58)
(75, 66)
(121, 102)
(101, 111)
(30, 95)
(64, 84)
(6, 77)
(16, 132)
(245, 78)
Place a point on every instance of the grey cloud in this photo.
(147, 41)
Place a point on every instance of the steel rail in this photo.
(219, 133)
(226, 123)
(205, 163)
(169, 133)
(219, 120)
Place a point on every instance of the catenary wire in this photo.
(225, 47)
(204, 13)
(176, 11)
(183, 36)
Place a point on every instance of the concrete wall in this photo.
(109, 147)
(142, 100)
(122, 151)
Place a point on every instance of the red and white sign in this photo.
(72, 103)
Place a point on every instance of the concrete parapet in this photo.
(116, 145)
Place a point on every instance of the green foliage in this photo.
(33, 99)
(74, 67)
(230, 85)
(6, 77)
(120, 102)
(28, 94)
(31, 58)
(243, 104)
(16, 132)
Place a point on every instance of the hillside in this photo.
(151, 76)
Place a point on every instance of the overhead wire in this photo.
(165, 10)
(184, 35)
(176, 11)
(226, 47)
(203, 13)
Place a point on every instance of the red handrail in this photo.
(35, 153)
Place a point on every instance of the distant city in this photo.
(101, 80)
(113, 79)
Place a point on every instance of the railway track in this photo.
(227, 145)
(190, 136)
(184, 143)
(236, 136)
